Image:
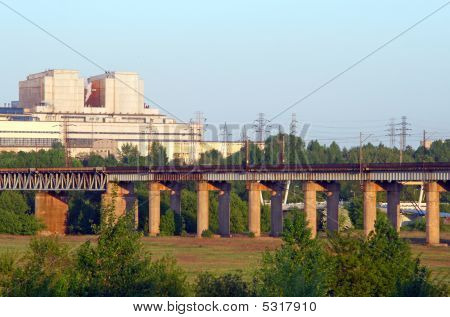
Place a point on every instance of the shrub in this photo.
(226, 285)
(355, 211)
(251, 234)
(298, 268)
(43, 271)
(14, 223)
(167, 225)
(14, 215)
(118, 265)
(207, 233)
(381, 265)
(418, 224)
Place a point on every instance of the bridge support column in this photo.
(333, 190)
(175, 198)
(393, 204)
(276, 210)
(432, 193)
(121, 196)
(52, 209)
(310, 190)
(154, 208)
(370, 190)
(202, 207)
(224, 209)
(254, 208)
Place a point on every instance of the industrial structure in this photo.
(97, 115)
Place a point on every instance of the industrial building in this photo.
(98, 114)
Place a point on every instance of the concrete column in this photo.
(175, 198)
(432, 216)
(122, 197)
(309, 190)
(224, 210)
(276, 210)
(254, 208)
(333, 206)
(393, 205)
(52, 210)
(154, 208)
(202, 207)
(370, 207)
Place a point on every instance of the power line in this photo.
(360, 61)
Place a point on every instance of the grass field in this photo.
(238, 253)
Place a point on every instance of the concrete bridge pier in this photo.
(370, 190)
(254, 207)
(393, 204)
(175, 197)
(276, 210)
(310, 190)
(121, 195)
(276, 206)
(154, 207)
(333, 191)
(52, 209)
(202, 207)
(310, 203)
(154, 203)
(432, 193)
(224, 209)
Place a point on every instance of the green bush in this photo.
(251, 234)
(418, 224)
(299, 268)
(117, 265)
(207, 233)
(226, 285)
(14, 215)
(167, 225)
(355, 211)
(43, 271)
(381, 265)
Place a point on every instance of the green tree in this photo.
(298, 268)
(118, 265)
(381, 265)
(15, 217)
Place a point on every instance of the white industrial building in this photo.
(99, 114)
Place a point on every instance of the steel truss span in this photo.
(52, 180)
(96, 178)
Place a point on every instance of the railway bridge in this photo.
(117, 183)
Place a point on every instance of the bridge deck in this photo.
(95, 178)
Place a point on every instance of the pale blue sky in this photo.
(232, 59)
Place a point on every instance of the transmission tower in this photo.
(196, 129)
(293, 125)
(149, 140)
(226, 139)
(192, 147)
(403, 132)
(66, 142)
(391, 132)
(260, 127)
